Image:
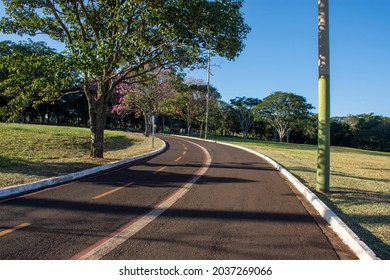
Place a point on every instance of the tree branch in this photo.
(54, 10)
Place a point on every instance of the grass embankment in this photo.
(360, 185)
(33, 152)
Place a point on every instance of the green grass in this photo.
(32, 152)
(360, 185)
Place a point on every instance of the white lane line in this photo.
(106, 245)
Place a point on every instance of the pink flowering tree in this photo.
(146, 97)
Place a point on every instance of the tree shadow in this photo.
(353, 196)
(381, 249)
(163, 179)
(335, 173)
(32, 168)
(118, 142)
(112, 213)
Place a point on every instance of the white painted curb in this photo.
(23, 188)
(362, 251)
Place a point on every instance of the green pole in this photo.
(207, 96)
(323, 154)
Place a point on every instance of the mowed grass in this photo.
(360, 185)
(33, 152)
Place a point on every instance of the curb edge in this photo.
(362, 251)
(14, 190)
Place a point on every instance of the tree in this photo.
(340, 133)
(31, 74)
(282, 110)
(243, 109)
(145, 98)
(369, 131)
(115, 42)
(198, 92)
(185, 104)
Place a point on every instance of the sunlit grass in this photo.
(32, 152)
(360, 184)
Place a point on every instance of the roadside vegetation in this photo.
(360, 184)
(33, 152)
(142, 83)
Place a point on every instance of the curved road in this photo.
(239, 208)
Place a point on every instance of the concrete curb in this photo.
(45, 183)
(362, 251)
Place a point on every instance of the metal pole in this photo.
(152, 121)
(323, 154)
(207, 96)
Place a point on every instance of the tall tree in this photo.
(31, 73)
(243, 110)
(146, 98)
(282, 110)
(114, 42)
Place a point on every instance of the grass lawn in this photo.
(360, 185)
(33, 152)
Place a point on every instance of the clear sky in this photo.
(281, 54)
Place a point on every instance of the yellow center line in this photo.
(179, 158)
(10, 230)
(107, 193)
(161, 169)
(112, 191)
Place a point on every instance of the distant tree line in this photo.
(176, 104)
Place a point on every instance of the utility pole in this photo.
(323, 154)
(207, 96)
(152, 119)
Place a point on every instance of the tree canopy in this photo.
(114, 42)
(31, 73)
(283, 110)
(243, 109)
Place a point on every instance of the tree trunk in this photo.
(147, 124)
(97, 123)
(288, 135)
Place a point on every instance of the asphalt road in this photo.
(240, 208)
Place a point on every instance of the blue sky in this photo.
(281, 54)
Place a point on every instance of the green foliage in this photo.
(243, 107)
(376, 138)
(189, 104)
(283, 111)
(111, 42)
(31, 74)
(364, 131)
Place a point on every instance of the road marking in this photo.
(160, 169)
(179, 158)
(184, 153)
(112, 241)
(112, 191)
(107, 193)
(10, 230)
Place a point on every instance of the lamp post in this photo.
(323, 154)
(207, 96)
